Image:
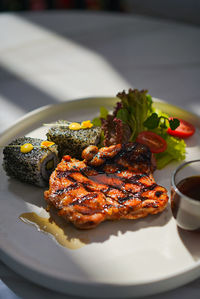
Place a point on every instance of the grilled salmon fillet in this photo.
(111, 183)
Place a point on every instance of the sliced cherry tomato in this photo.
(184, 130)
(155, 142)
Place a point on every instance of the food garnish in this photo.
(86, 124)
(175, 152)
(135, 114)
(46, 144)
(74, 126)
(184, 130)
(26, 148)
(153, 122)
(154, 141)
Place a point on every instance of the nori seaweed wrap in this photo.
(33, 167)
(72, 142)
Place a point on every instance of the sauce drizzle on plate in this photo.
(66, 236)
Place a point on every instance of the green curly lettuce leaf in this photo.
(175, 151)
(136, 107)
(176, 147)
(103, 114)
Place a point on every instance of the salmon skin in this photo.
(110, 183)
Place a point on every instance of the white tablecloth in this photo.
(52, 57)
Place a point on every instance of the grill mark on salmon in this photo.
(81, 200)
(67, 189)
(114, 182)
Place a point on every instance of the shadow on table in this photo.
(144, 51)
(22, 93)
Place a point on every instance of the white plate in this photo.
(122, 259)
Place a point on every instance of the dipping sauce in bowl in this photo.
(190, 187)
(185, 195)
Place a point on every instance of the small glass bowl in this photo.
(185, 209)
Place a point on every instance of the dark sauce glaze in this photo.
(132, 154)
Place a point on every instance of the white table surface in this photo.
(50, 57)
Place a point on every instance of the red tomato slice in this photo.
(184, 130)
(155, 142)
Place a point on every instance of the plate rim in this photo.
(158, 102)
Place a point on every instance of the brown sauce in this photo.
(190, 187)
(66, 235)
(184, 211)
